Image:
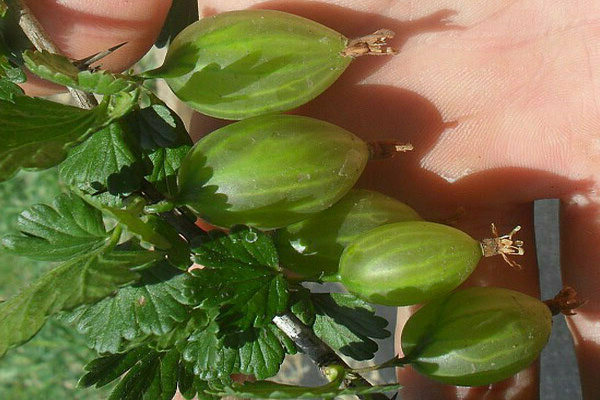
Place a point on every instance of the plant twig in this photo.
(37, 35)
(306, 340)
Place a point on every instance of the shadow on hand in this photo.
(383, 112)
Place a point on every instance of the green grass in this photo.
(48, 366)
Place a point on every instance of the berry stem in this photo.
(565, 302)
(380, 150)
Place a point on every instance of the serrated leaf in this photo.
(131, 218)
(59, 69)
(181, 14)
(241, 277)
(179, 252)
(153, 378)
(8, 90)
(104, 370)
(163, 137)
(106, 160)
(243, 244)
(82, 280)
(347, 325)
(154, 305)
(301, 305)
(68, 228)
(248, 296)
(274, 390)
(147, 374)
(213, 356)
(36, 133)
(159, 127)
(165, 164)
(198, 319)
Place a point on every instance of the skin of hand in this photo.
(501, 100)
(81, 28)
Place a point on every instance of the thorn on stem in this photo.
(85, 63)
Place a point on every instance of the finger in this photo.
(580, 259)
(492, 271)
(81, 28)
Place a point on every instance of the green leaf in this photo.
(244, 244)
(181, 14)
(248, 297)
(131, 218)
(192, 387)
(68, 228)
(59, 69)
(301, 305)
(154, 305)
(159, 127)
(3, 8)
(241, 277)
(36, 133)
(108, 160)
(9, 71)
(179, 252)
(214, 356)
(347, 325)
(8, 91)
(121, 104)
(165, 164)
(84, 279)
(274, 390)
(178, 337)
(164, 139)
(154, 377)
(147, 374)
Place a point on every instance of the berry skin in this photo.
(408, 263)
(246, 63)
(270, 171)
(314, 245)
(476, 336)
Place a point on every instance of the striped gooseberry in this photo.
(476, 336)
(270, 171)
(314, 245)
(413, 262)
(240, 64)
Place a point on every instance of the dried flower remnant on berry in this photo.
(503, 245)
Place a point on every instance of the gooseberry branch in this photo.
(303, 336)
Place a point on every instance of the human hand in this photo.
(501, 106)
(81, 28)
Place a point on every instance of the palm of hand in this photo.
(500, 101)
(499, 98)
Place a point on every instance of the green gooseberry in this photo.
(476, 336)
(270, 171)
(314, 245)
(240, 64)
(412, 262)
